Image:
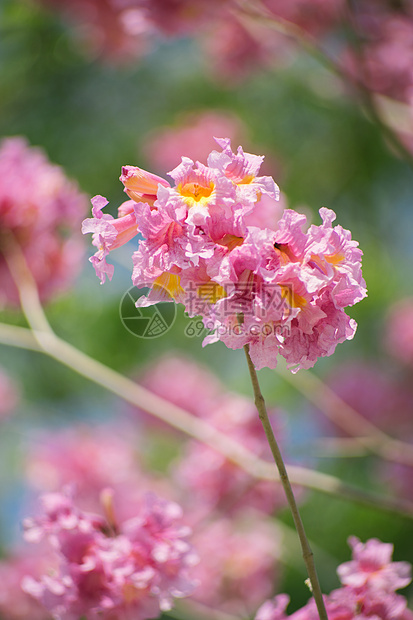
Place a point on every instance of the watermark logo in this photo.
(149, 322)
(270, 315)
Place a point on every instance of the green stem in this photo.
(308, 555)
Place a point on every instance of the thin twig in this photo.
(347, 418)
(26, 286)
(21, 337)
(307, 553)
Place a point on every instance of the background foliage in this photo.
(323, 150)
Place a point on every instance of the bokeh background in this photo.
(93, 111)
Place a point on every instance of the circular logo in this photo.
(148, 322)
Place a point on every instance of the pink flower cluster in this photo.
(192, 134)
(132, 569)
(369, 584)
(232, 552)
(281, 290)
(41, 210)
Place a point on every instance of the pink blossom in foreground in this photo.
(109, 233)
(273, 609)
(399, 331)
(369, 583)
(342, 604)
(280, 290)
(238, 564)
(15, 604)
(41, 210)
(90, 459)
(109, 569)
(372, 566)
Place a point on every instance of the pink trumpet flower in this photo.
(278, 289)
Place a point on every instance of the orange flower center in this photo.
(195, 193)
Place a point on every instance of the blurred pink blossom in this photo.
(114, 30)
(378, 396)
(121, 30)
(372, 566)
(342, 604)
(87, 458)
(398, 335)
(15, 604)
(41, 210)
(238, 44)
(184, 382)
(398, 477)
(213, 482)
(368, 590)
(274, 609)
(317, 17)
(236, 47)
(192, 135)
(383, 60)
(109, 568)
(238, 564)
